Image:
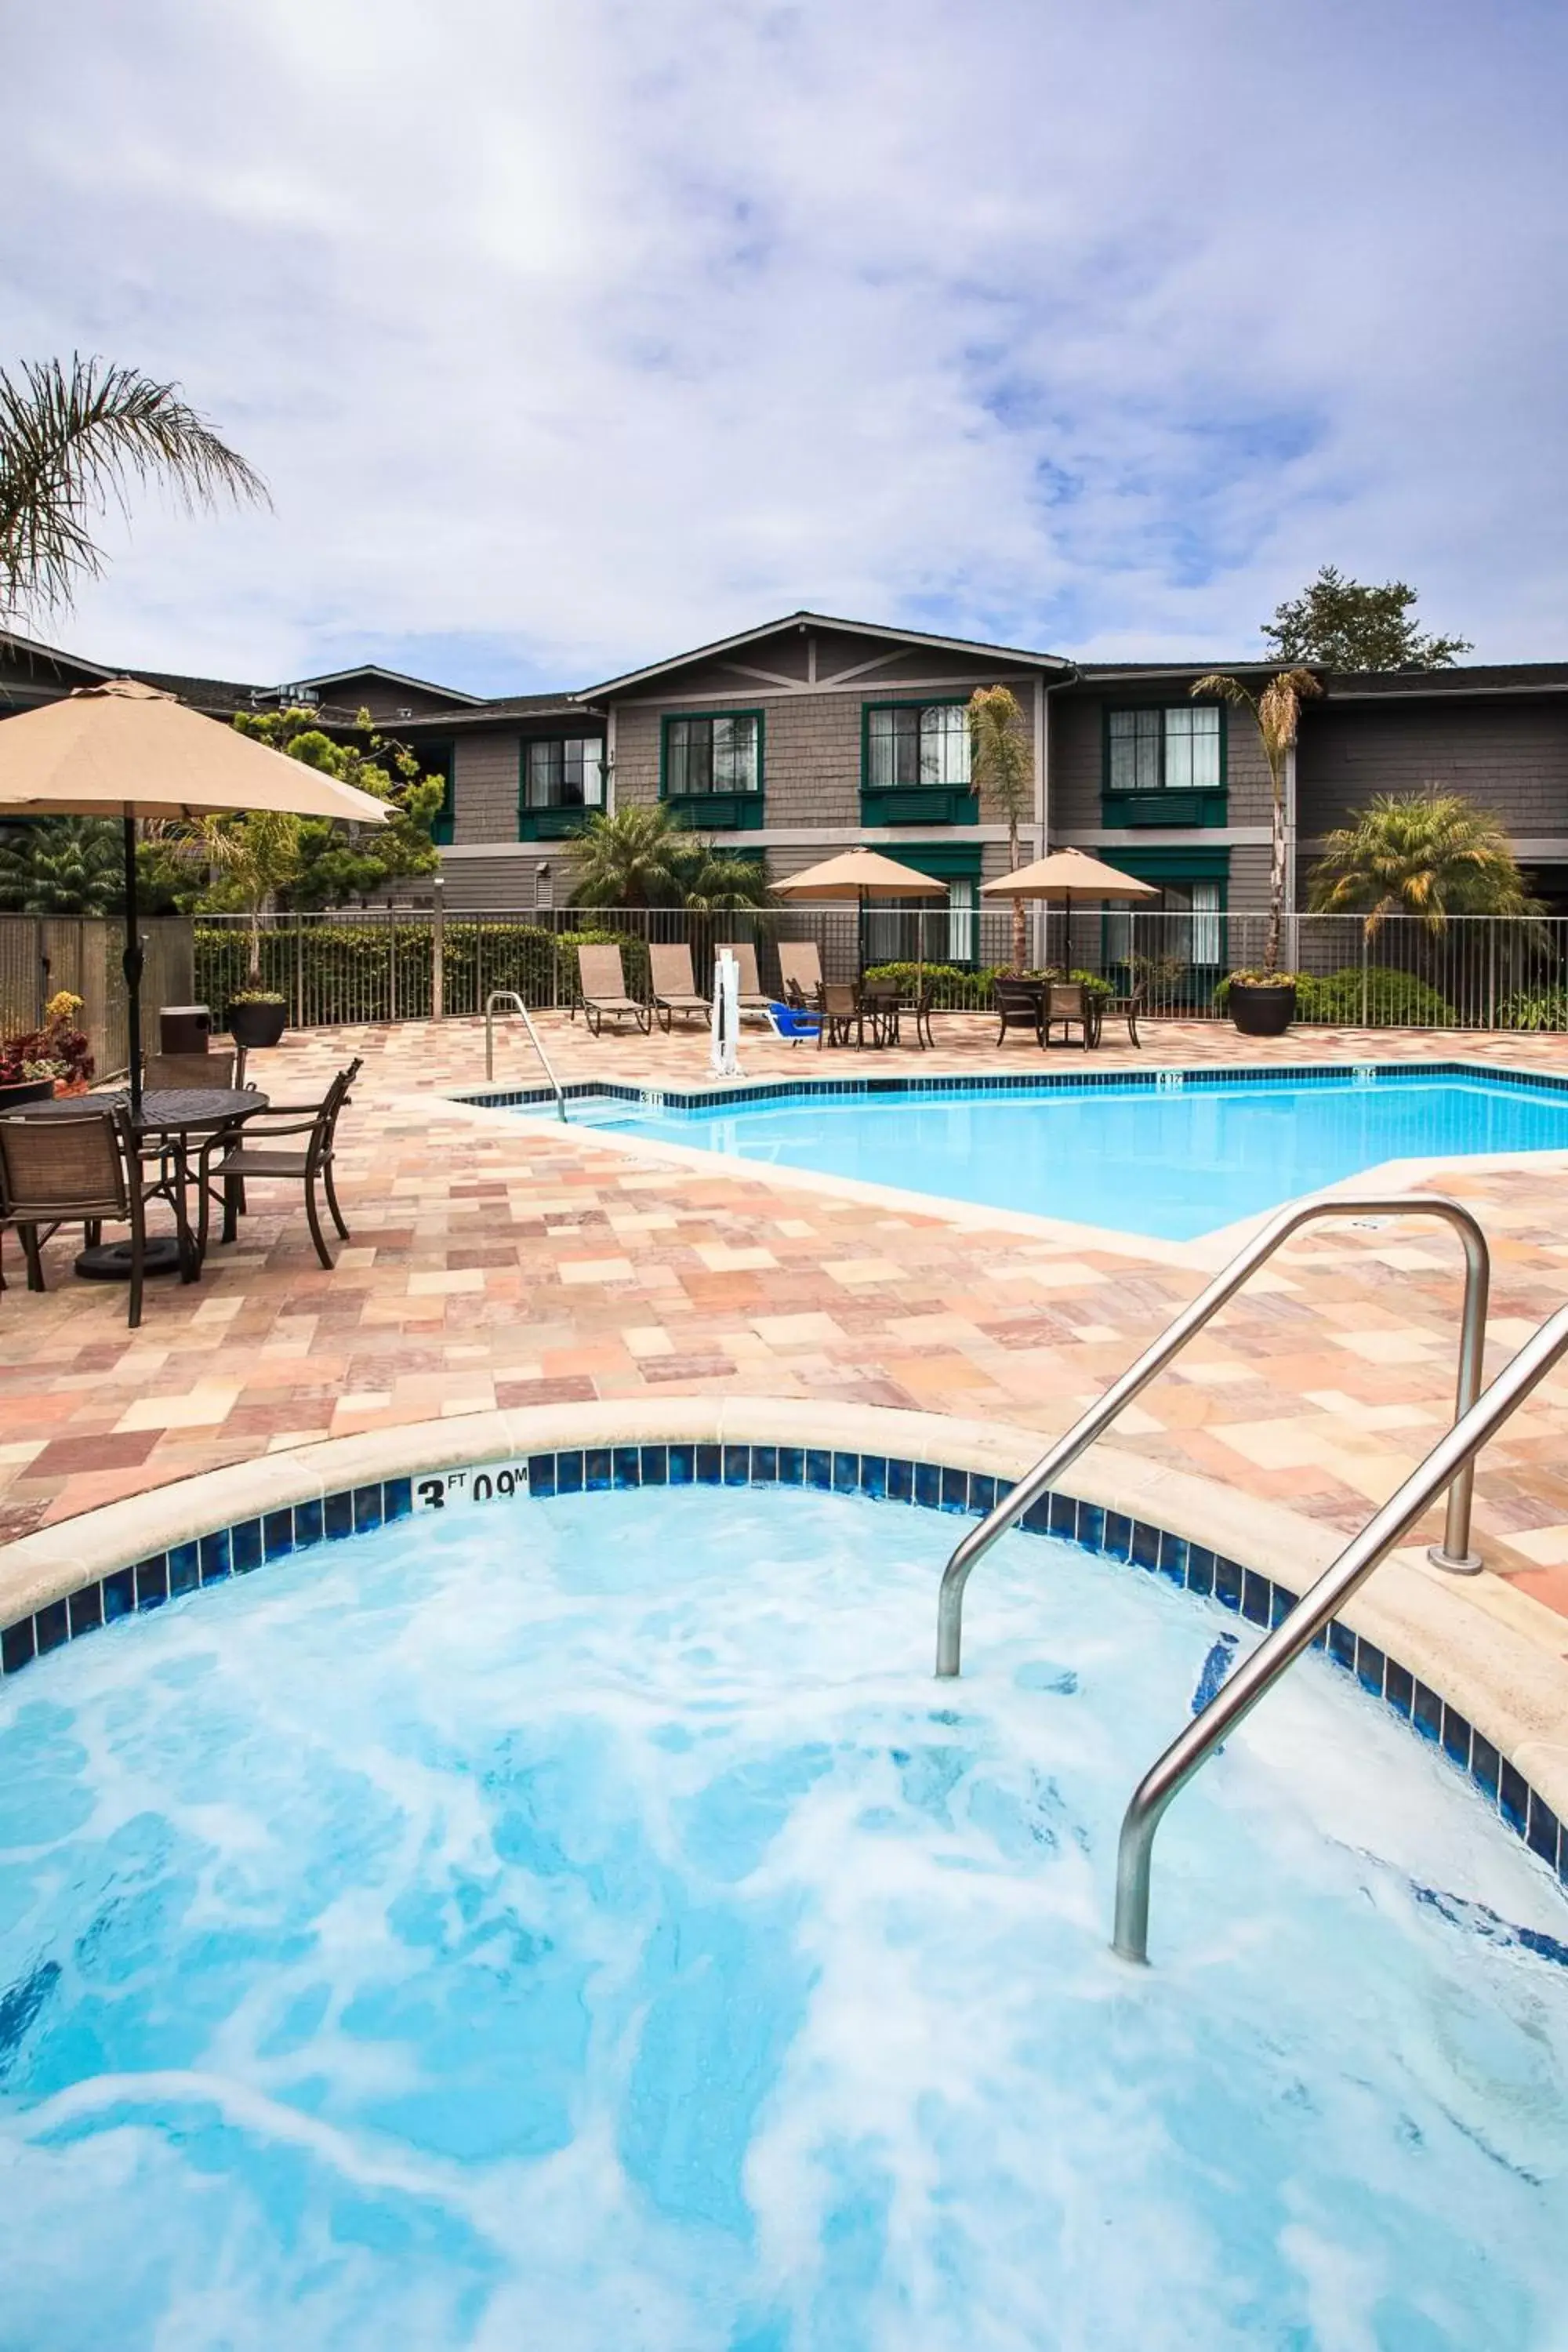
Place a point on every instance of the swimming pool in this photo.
(1171, 1159)
(584, 1922)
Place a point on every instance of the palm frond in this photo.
(1429, 854)
(73, 442)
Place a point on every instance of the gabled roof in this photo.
(503, 708)
(803, 620)
(28, 651)
(222, 694)
(392, 677)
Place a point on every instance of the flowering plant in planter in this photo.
(59, 1050)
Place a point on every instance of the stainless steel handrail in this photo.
(1449, 1458)
(509, 996)
(1453, 1553)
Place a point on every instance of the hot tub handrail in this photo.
(509, 996)
(1453, 1454)
(1453, 1553)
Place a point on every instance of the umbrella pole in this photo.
(130, 963)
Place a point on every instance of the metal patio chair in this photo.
(234, 1161)
(1019, 1004)
(84, 1168)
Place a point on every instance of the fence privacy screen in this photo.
(1482, 972)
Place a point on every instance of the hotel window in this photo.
(962, 926)
(722, 754)
(564, 772)
(1165, 750)
(1186, 921)
(917, 744)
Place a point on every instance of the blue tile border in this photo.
(716, 1101)
(236, 1550)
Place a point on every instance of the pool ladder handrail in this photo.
(1453, 1553)
(509, 996)
(1451, 1458)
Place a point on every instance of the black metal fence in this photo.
(1481, 972)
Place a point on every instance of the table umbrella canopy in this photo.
(1067, 874)
(130, 751)
(860, 874)
(864, 874)
(123, 748)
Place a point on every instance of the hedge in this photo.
(959, 990)
(1378, 997)
(343, 971)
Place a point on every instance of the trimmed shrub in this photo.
(958, 990)
(1377, 998)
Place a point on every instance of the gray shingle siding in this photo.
(811, 755)
(485, 786)
(1511, 756)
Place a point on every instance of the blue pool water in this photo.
(588, 1926)
(1140, 1160)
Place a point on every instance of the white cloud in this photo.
(569, 336)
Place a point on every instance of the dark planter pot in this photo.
(251, 1025)
(27, 1090)
(1262, 1012)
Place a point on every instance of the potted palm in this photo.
(1262, 1002)
(255, 856)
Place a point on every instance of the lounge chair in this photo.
(754, 999)
(800, 966)
(1020, 1005)
(673, 989)
(793, 1022)
(1067, 1005)
(601, 987)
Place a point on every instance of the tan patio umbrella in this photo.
(128, 751)
(864, 874)
(1070, 876)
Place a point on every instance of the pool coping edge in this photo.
(1489, 1650)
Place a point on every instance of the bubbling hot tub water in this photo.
(589, 1924)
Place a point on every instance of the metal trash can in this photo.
(183, 1028)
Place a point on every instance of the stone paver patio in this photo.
(496, 1260)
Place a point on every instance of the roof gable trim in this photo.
(916, 640)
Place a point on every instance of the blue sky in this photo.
(568, 336)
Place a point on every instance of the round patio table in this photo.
(170, 1112)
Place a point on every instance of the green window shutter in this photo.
(1168, 863)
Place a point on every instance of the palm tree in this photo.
(1277, 714)
(1430, 854)
(63, 866)
(73, 440)
(256, 855)
(710, 881)
(628, 858)
(1001, 771)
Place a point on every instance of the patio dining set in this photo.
(189, 1136)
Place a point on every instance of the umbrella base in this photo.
(110, 1261)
